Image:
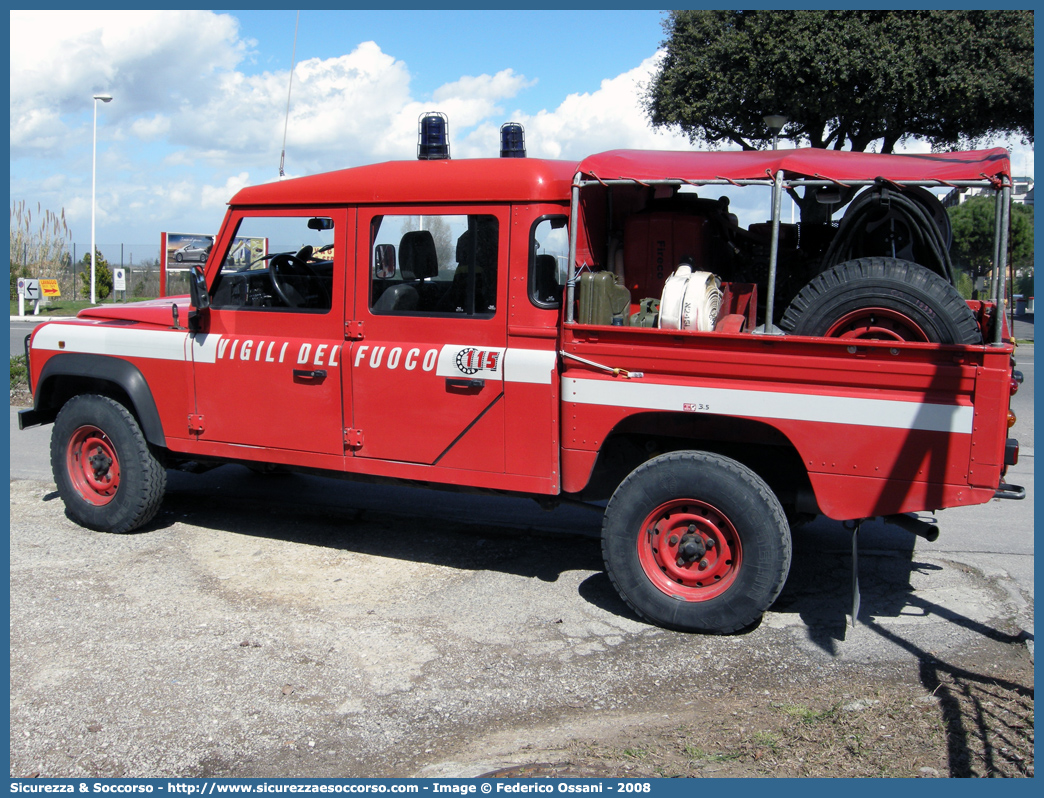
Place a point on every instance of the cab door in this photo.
(268, 365)
(427, 361)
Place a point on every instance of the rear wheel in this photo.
(106, 475)
(882, 299)
(697, 542)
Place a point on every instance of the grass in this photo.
(695, 754)
(767, 739)
(67, 307)
(19, 372)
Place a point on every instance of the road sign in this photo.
(31, 289)
(119, 280)
(49, 288)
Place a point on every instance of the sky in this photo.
(200, 101)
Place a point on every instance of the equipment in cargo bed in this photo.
(603, 300)
(655, 243)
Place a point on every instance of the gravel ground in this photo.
(251, 638)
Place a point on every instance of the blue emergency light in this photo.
(433, 140)
(512, 140)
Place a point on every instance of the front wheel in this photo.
(106, 475)
(696, 542)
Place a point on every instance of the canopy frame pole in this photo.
(574, 217)
(770, 299)
(1002, 261)
(997, 213)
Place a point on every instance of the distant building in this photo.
(1022, 193)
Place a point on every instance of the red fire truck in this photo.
(620, 330)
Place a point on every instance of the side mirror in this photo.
(384, 261)
(198, 288)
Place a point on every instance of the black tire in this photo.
(882, 298)
(105, 472)
(656, 515)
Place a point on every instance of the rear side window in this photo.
(548, 261)
(434, 265)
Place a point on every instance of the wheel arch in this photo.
(758, 445)
(69, 374)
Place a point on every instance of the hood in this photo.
(153, 311)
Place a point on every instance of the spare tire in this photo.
(882, 299)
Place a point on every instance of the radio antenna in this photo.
(286, 121)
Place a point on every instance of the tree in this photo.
(445, 246)
(846, 79)
(973, 225)
(102, 276)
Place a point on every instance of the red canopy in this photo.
(814, 163)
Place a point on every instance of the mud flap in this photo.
(855, 573)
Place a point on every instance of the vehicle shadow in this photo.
(988, 719)
(467, 532)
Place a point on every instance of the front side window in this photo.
(434, 265)
(278, 263)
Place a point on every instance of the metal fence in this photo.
(140, 264)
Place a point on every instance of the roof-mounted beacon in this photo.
(433, 137)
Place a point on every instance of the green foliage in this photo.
(1024, 284)
(846, 78)
(19, 372)
(102, 276)
(965, 284)
(973, 224)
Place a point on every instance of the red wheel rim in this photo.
(689, 550)
(93, 465)
(879, 324)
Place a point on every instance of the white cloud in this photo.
(151, 62)
(491, 88)
(218, 196)
(151, 128)
(609, 118)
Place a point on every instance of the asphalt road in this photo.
(20, 329)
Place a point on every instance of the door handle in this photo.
(304, 374)
(452, 383)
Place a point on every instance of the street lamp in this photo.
(105, 98)
(775, 123)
